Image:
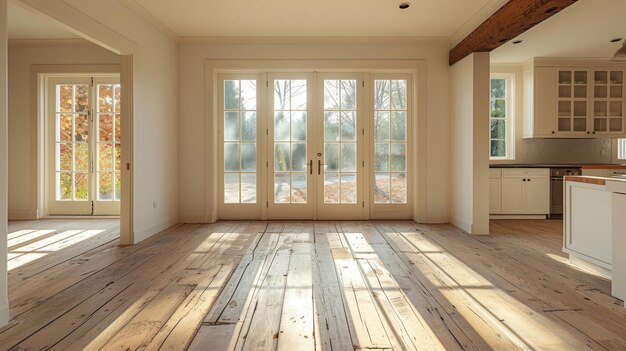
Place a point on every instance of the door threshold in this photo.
(79, 217)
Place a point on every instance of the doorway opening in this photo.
(82, 144)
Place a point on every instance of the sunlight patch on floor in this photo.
(521, 325)
(36, 244)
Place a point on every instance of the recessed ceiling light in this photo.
(404, 5)
(517, 41)
(615, 40)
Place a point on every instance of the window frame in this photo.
(392, 210)
(620, 150)
(240, 210)
(509, 138)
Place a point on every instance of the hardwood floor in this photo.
(304, 286)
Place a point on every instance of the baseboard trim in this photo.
(461, 224)
(145, 233)
(22, 215)
(4, 315)
(191, 218)
(590, 266)
(438, 218)
(496, 216)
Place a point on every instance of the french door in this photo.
(340, 133)
(296, 146)
(84, 145)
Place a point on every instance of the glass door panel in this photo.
(390, 141)
(340, 169)
(70, 140)
(290, 129)
(240, 154)
(107, 148)
(390, 125)
(239, 106)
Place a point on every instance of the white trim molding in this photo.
(151, 19)
(145, 233)
(214, 67)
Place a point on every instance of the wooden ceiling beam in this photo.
(511, 20)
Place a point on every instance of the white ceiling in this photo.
(23, 23)
(313, 17)
(584, 29)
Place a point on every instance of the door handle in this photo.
(319, 167)
(310, 166)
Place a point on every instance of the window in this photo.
(621, 149)
(390, 142)
(240, 180)
(501, 121)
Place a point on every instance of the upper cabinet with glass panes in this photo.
(584, 101)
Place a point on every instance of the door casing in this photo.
(414, 69)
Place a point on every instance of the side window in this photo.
(501, 121)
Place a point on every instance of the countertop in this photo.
(594, 180)
(558, 165)
(533, 165)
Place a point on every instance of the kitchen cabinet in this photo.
(538, 195)
(587, 224)
(495, 191)
(539, 96)
(618, 236)
(513, 196)
(522, 191)
(573, 99)
(595, 228)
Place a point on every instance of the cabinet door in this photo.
(495, 196)
(513, 196)
(608, 102)
(572, 102)
(538, 196)
(545, 112)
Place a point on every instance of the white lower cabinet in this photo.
(513, 196)
(495, 195)
(538, 196)
(522, 191)
(495, 190)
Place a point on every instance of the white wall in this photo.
(4, 301)
(155, 104)
(193, 129)
(469, 186)
(22, 55)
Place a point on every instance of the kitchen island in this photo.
(595, 227)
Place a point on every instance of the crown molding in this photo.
(312, 40)
(49, 42)
(151, 19)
